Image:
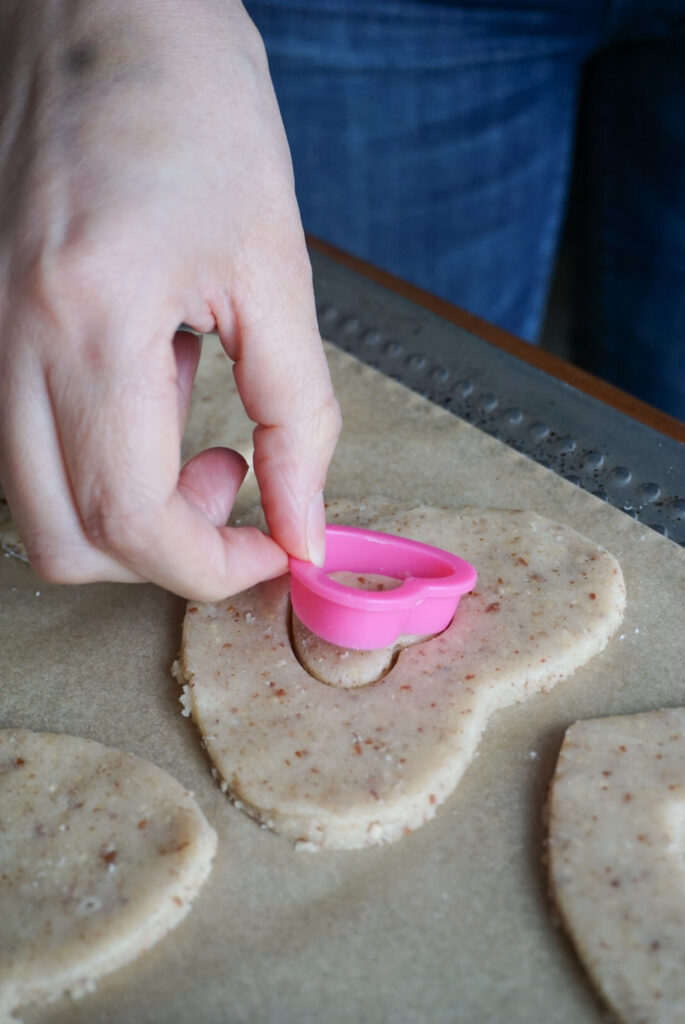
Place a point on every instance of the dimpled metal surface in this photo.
(614, 457)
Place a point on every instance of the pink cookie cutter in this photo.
(425, 602)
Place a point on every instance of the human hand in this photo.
(146, 182)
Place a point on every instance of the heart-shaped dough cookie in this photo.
(346, 766)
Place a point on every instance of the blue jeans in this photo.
(436, 138)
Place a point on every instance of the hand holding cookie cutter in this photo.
(425, 602)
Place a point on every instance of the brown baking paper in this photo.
(453, 923)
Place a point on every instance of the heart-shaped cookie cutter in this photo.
(433, 580)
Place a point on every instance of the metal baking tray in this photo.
(614, 457)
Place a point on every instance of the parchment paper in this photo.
(452, 924)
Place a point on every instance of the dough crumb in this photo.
(184, 701)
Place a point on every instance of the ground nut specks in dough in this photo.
(334, 766)
(101, 854)
(616, 846)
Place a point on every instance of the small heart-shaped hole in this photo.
(342, 666)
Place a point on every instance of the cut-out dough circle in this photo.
(616, 848)
(341, 666)
(101, 854)
(345, 768)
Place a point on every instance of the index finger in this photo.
(285, 385)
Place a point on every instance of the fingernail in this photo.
(316, 529)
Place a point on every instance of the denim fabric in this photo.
(436, 139)
(630, 234)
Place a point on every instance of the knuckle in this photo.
(65, 286)
(335, 417)
(124, 530)
(124, 534)
(58, 563)
(296, 265)
(330, 422)
(254, 49)
(80, 270)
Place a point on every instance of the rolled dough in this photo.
(616, 847)
(345, 767)
(101, 854)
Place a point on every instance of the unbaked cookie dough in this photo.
(340, 766)
(101, 854)
(342, 666)
(616, 858)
